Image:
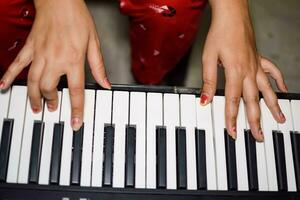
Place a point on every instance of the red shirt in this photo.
(161, 33)
(16, 18)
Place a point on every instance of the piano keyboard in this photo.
(137, 141)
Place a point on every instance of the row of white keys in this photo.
(18, 101)
(205, 122)
(66, 154)
(138, 118)
(4, 105)
(154, 118)
(30, 117)
(261, 163)
(188, 120)
(268, 125)
(102, 117)
(50, 118)
(241, 160)
(219, 126)
(171, 121)
(88, 132)
(285, 129)
(120, 120)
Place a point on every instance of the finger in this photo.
(269, 96)
(209, 79)
(48, 87)
(251, 99)
(34, 76)
(233, 92)
(76, 89)
(95, 60)
(275, 73)
(22, 60)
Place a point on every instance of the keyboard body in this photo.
(213, 190)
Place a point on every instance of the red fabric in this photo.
(16, 18)
(161, 32)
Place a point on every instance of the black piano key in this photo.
(230, 162)
(280, 160)
(56, 152)
(161, 157)
(130, 156)
(201, 159)
(181, 158)
(108, 153)
(7, 129)
(76, 156)
(295, 139)
(250, 144)
(36, 150)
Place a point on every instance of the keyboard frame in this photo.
(47, 192)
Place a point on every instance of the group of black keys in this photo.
(161, 156)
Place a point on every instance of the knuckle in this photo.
(252, 100)
(46, 88)
(76, 91)
(234, 100)
(75, 55)
(211, 84)
(32, 79)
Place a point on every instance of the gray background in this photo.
(276, 24)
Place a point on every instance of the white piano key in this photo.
(138, 118)
(295, 107)
(50, 118)
(219, 126)
(285, 129)
(30, 117)
(120, 120)
(268, 125)
(154, 118)
(102, 117)
(87, 145)
(66, 154)
(188, 120)
(261, 163)
(205, 122)
(16, 111)
(4, 105)
(241, 160)
(171, 121)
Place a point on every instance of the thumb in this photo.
(209, 80)
(96, 63)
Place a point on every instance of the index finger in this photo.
(76, 89)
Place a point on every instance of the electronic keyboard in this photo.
(145, 142)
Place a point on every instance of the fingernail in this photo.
(36, 110)
(2, 84)
(51, 108)
(203, 99)
(76, 123)
(233, 134)
(107, 83)
(261, 135)
(281, 116)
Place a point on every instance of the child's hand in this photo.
(63, 34)
(231, 43)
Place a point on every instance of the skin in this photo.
(231, 44)
(64, 35)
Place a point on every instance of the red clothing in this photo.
(16, 18)
(161, 33)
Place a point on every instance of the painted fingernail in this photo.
(261, 134)
(281, 116)
(107, 83)
(36, 110)
(2, 84)
(51, 108)
(203, 99)
(76, 123)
